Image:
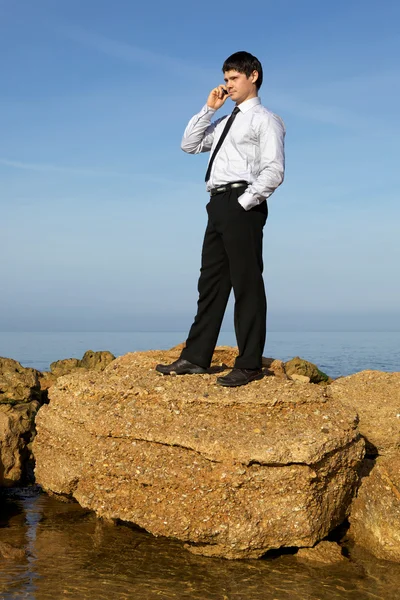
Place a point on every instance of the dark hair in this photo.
(244, 62)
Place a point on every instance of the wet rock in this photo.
(17, 383)
(325, 553)
(375, 513)
(17, 428)
(375, 395)
(299, 366)
(8, 551)
(231, 472)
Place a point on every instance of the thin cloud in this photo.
(46, 168)
(383, 81)
(330, 115)
(134, 54)
(328, 101)
(137, 55)
(290, 102)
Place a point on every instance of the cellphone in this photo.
(224, 91)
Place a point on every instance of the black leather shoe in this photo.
(240, 377)
(180, 367)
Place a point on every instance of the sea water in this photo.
(65, 552)
(335, 352)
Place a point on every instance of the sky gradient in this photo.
(103, 215)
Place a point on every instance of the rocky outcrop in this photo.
(64, 366)
(375, 513)
(17, 383)
(20, 385)
(231, 472)
(17, 426)
(375, 395)
(96, 361)
(298, 367)
(20, 397)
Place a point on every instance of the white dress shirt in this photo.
(253, 150)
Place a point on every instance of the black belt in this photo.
(229, 186)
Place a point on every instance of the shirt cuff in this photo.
(207, 109)
(247, 200)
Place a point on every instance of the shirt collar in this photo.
(247, 104)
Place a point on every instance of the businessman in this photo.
(246, 165)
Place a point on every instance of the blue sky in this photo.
(102, 214)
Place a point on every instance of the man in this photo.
(246, 165)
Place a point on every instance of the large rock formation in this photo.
(375, 514)
(375, 395)
(231, 472)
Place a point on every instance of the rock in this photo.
(46, 380)
(97, 361)
(17, 428)
(64, 366)
(300, 378)
(299, 366)
(375, 512)
(326, 553)
(231, 472)
(375, 395)
(274, 367)
(17, 383)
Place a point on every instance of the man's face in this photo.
(240, 87)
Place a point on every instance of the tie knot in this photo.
(235, 110)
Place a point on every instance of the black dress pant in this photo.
(231, 258)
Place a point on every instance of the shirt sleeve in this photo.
(272, 163)
(199, 133)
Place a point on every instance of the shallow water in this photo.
(71, 554)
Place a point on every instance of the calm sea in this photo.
(337, 353)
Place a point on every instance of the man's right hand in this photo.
(217, 97)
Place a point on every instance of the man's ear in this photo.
(254, 76)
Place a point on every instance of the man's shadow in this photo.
(217, 369)
(220, 368)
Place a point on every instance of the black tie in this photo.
(221, 139)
